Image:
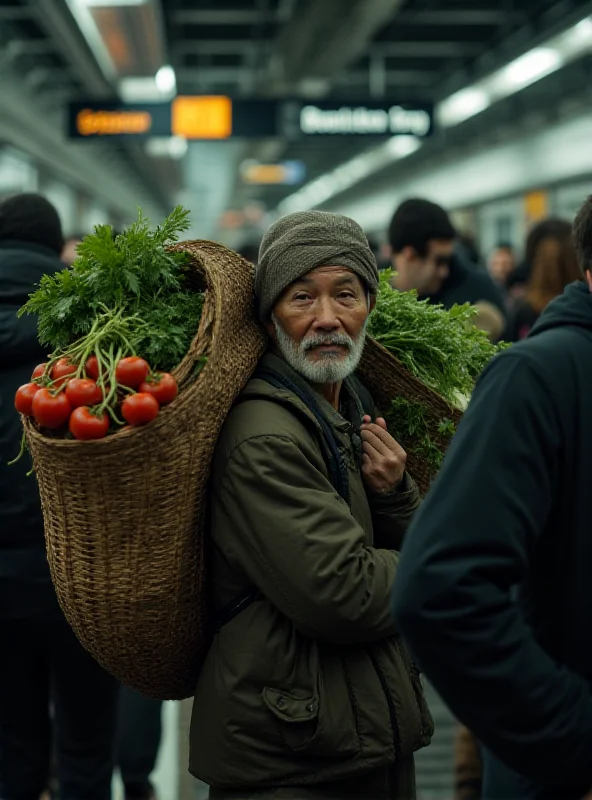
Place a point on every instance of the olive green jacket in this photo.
(310, 683)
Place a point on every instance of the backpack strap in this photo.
(336, 466)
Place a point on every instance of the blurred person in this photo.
(69, 250)
(138, 741)
(493, 592)
(501, 264)
(553, 265)
(382, 260)
(307, 692)
(423, 241)
(42, 663)
(468, 766)
(249, 251)
(468, 248)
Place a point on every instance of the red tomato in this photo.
(23, 401)
(162, 386)
(61, 371)
(83, 392)
(51, 410)
(138, 409)
(132, 371)
(92, 368)
(84, 425)
(39, 371)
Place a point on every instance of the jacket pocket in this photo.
(307, 724)
(297, 715)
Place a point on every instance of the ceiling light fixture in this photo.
(166, 80)
(461, 106)
(527, 69)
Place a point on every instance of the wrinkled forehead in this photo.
(329, 276)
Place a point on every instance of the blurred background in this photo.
(244, 110)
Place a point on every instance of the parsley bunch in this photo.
(133, 276)
(442, 348)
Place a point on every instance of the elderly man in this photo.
(307, 691)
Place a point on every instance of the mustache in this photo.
(320, 339)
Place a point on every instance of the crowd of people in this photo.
(333, 585)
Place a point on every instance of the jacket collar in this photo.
(259, 387)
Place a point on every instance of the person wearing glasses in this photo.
(425, 258)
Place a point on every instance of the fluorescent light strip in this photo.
(113, 3)
(515, 76)
(81, 12)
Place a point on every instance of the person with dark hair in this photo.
(553, 265)
(42, 662)
(501, 264)
(422, 240)
(138, 741)
(249, 251)
(493, 593)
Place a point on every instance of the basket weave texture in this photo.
(387, 378)
(124, 515)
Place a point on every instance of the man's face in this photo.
(501, 264)
(319, 324)
(426, 275)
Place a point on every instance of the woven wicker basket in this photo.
(386, 378)
(124, 515)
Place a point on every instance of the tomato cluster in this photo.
(87, 401)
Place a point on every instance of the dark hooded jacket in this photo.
(494, 589)
(25, 586)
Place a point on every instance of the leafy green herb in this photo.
(442, 348)
(409, 423)
(132, 276)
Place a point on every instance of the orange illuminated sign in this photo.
(536, 206)
(265, 174)
(202, 117)
(113, 123)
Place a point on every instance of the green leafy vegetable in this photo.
(408, 421)
(442, 348)
(132, 277)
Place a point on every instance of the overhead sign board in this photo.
(364, 120)
(218, 117)
(286, 173)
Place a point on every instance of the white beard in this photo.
(330, 367)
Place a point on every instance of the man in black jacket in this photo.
(42, 662)
(422, 240)
(494, 591)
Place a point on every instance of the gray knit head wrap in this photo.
(301, 242)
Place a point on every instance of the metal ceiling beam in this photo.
(426, 49)
(218, 47)
(475, 16)
(62, 29)
(56, 20)
(324, 37)
(213, 47)
(226, 75)
(221, 17)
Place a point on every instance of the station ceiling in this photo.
(401, 51)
